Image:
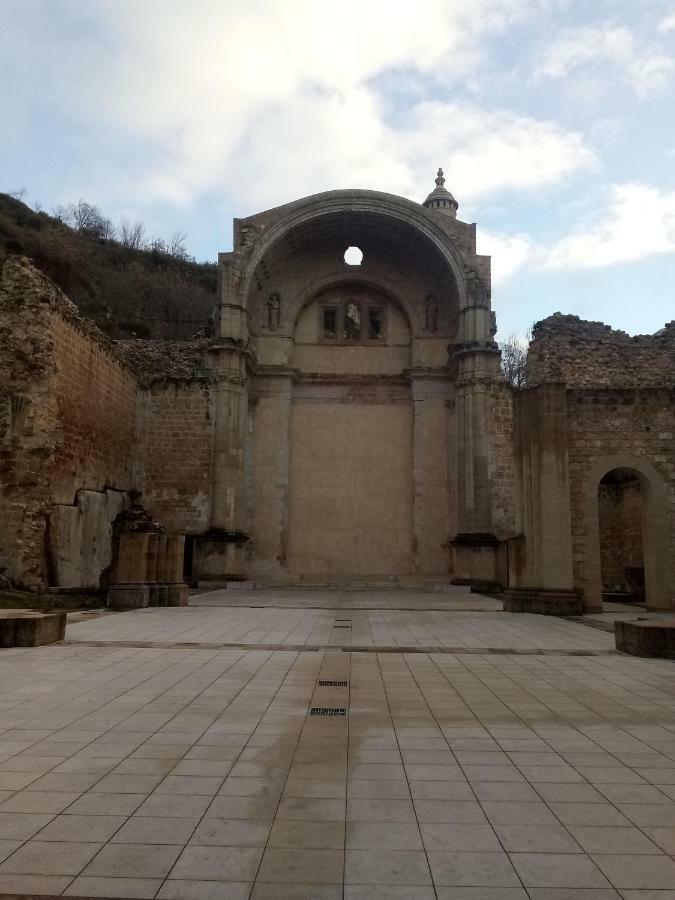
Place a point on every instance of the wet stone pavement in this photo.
(299, 750)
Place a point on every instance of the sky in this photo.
(553, 120)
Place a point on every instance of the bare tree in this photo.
(514, 359)
(131, 234)
(18, 194)
(177, 245)
(87, 218)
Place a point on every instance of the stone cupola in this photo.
(440, 199)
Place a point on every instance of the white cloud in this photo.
(273, 99)
(637, 221)
(667, 24)
(510, 253)
(589, 51)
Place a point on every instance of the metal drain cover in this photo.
(328, 711)
(323, 683)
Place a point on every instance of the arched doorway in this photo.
(621, 518)
(627, 531)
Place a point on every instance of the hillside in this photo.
(128, 293)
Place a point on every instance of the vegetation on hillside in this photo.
(130, 286)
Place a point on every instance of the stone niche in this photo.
(80, 538)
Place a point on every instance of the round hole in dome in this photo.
(353, 256)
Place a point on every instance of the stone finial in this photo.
(440, 199)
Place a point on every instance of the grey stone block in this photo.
(647, 638)
(29, 629)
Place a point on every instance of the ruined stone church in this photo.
(349, 421)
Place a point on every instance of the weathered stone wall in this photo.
(173, 453)
(605, 424)
(67, 426)
(501, 461)
(96, 398)
(568, 350)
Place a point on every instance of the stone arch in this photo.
(340, 204)
(655, 529)
(357, 279)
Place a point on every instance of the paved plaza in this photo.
(456, 752)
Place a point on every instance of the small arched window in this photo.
(351, 322)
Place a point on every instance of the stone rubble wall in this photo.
(501, 461)
(566, 349)
(167, 361)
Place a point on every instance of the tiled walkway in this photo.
(197, 772)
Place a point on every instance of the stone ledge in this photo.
(648, 638)
(543, 602)
(25, 628)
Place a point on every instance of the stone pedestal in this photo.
(543, 602)
(649, 638)
(31, 629)
(149, 571)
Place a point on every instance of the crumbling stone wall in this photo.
(173, 453)
(67, 422)
(566, 349)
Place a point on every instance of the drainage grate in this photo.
(342, 626)
(328, 711)
(333, 683)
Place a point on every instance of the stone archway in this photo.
(652, 527)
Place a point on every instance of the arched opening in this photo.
(621, 516)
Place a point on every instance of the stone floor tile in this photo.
(155, 830)
(88, 886)
(311, 809)
(580, 894)
(231, 833)
(637, 871)
(80, 828)
(292, 835)
(506, 774)
(49, 858)
(640, 814)
(467, 869)
(515, 813)
(308, 787)
(125, 784)
(536, 839)
(632, 793)
(441, 790)
(466, 812)
(383, 836)
(559, 870)
(663, 837)
(251, 787)
(262, 891)
(379, 790)
(505, 791)
(91, 804)
(38, 802)
(569, 793)
(217, 863)
(22, 826)
(481, 893)
(456, 836)
(140, 766)
(598, 839)
(173, 889)
(386, 867)
(34, 885)
(189, 785)
(14, 781)
(388, 892)
(376, 810)
(64, 783)
(134, 861)
(8, 847)
(589, 814)
(86, 765)
(301, 866)
(169, 805)
(241, 807)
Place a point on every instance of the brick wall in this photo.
(501, 461)
(174, 440)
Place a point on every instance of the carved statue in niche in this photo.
(480, 296)
(431, 314)
(274, 312)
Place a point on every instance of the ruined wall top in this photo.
(590, 354)
(155, 362)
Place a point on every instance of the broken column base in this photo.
(543, 602)
(177, 594)
(29, 629)
(129, 595)
(648, 638)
